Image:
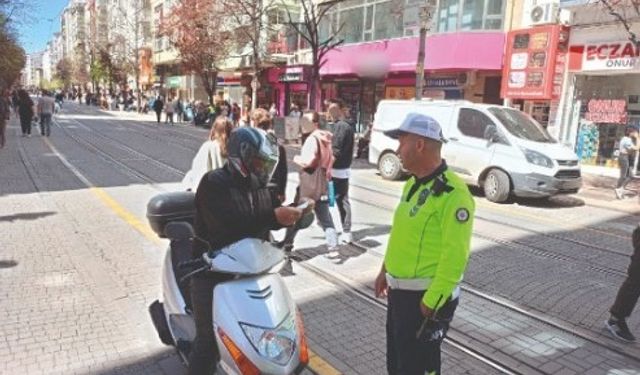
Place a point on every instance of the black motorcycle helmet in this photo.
(253, 154)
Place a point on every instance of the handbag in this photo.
(313, 181)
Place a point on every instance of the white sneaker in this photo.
(346, 237)
(619, 193)
(332, 238)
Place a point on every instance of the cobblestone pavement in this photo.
(77, 270)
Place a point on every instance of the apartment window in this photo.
(353, 23)
(456, 15)
(388, 21)
(365, 21)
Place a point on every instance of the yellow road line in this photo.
(320, 366)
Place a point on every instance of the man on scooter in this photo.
(232, 203)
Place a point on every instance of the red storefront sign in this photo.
(607, 111)
(535, 63)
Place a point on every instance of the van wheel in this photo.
(390, 166)
(497, 186)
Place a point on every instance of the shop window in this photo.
(473, 123)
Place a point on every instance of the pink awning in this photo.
(449, 51)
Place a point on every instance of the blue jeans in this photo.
(45, 124)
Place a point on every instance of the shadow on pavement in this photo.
(8, 263)
(26, 216)
(557, 201)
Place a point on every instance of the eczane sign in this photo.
(611, 56)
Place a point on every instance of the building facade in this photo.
(602, 84)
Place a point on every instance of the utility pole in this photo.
(426, 14)
(137, 51)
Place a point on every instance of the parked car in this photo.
(500, 149)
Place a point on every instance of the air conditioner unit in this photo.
(543, 13)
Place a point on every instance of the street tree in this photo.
(125, 43)
(64, 72)
(195, 29)
(313, 17)
(625, 12)
(426, 10)
(12, 58)
(248, 22)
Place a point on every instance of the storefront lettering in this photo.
(612, 51)
(607, 111)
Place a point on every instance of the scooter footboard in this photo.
(261, 308)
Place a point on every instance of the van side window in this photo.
(473, 123)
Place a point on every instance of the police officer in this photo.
(427, 252)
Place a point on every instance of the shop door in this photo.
(468, 152)
(491, 93)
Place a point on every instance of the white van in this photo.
(500, 149)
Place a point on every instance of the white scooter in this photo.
(257, 326)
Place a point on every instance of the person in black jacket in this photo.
(261, 119)
(158, 105)
(343, 139)
(232, 203)
(25, 111)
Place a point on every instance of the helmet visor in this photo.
(264, 164)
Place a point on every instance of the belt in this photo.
(415, 284)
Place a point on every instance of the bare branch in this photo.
(609, 5)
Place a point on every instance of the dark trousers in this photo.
(406, 355)
(630, 289)
(625, 170)
(45, 124)
(341, 188)
(25, 124)
(169, 118)
(204, 351)
(158, 115)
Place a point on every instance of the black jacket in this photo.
(342, 144)
(279, 179)
(225, 214)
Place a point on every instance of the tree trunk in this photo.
(420, 64)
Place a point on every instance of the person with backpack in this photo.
(315, 161)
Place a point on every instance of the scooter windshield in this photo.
(249, 256)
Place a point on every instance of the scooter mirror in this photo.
(179, 230)
(305, 221)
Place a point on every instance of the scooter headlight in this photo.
(277, 345)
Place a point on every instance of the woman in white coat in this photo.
(211, 155)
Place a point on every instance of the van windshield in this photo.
(521, 125)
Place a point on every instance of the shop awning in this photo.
(448, 51)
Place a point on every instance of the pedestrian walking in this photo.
(46, 108)
(261, 119)
(627, 148)
(5, 111)
(211, 155)
(315, 160)
(627, 296)
(343, 139)
(158, 105)
(179, 109)
(15, 99)
(169, 110)
(427, 252)
(25, 111)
